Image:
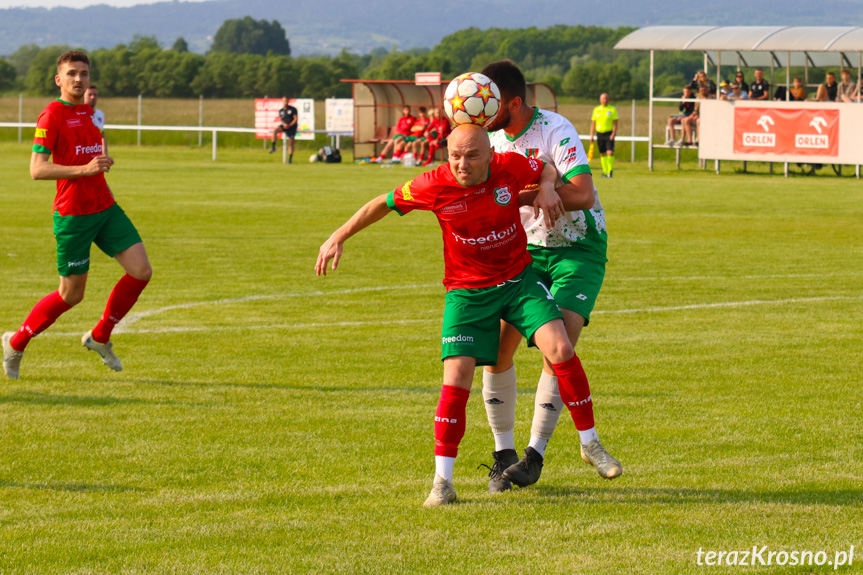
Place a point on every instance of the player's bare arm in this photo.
(42, 168)
(578, 193)
(373, 211)
(547, 198)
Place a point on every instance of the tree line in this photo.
(252, 58)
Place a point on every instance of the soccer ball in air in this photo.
(472, 98)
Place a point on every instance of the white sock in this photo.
(505, 440)
(588, 435)
(443, 466)
(539, 444)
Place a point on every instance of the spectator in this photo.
(685, 109)
(760, 88)
(701, 79)
(798, 93)
(738, 77)
(847, 90)
(736, 93)
(828, 91)
(689, 138)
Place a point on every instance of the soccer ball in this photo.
(472, 98)
(314, 158)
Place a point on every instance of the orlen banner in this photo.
(791, 132)
(267, 117)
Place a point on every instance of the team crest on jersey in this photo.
(531, 152)
(406, 192)
(502, 196)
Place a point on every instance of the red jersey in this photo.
(419, 127)
(404, 125)
(484, 243)
(67, 131)
(438, 129)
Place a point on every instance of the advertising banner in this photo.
(793, 132)
(267, 117)
(340, 116)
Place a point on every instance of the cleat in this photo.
(105, 351)
(497, 483)
(678, 143)
(442, 493)
(272, 150)
(595, 454)
(11, 357)
(527, 470)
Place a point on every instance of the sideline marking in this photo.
(181, 329)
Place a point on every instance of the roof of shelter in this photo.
(746, 38)
(754, 45)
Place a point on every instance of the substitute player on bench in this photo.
(84, 213)
(569, 257)
(487, 275)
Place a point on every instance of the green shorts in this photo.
(110, 229)
(575, 277)
(400, 137)
(471, 319)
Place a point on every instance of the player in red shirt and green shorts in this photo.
(399, 142)
(84, 213)
(488, 276)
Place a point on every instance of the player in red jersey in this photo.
(399, 142)
(435, 136)
(487, 275)
(418, 131)
(84, 213)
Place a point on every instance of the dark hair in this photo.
(72, 56)
(508, 78)
(422, 109)
(93, 87)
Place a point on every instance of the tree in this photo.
(7, 75)
(22, 58)
(180, 45)
(43, 69)
(249, 36)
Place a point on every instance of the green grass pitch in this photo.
(268, 421)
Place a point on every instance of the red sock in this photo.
(123, 297)
(41, 317)
(575, 392)
(398, 154)
(449, 420)
(432, 150)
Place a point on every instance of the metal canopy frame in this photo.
(752, 46)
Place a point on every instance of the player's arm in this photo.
(373, 211)
(614, 130)
(592, 129)
(296, 119)
(42, 168)
(577, 194)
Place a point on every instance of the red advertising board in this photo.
(795, 132)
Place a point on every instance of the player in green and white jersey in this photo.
(569, 257)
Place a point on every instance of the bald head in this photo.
(604, 99)
(469, 154)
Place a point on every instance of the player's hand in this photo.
(548, 200)
(98, 165)
(330, 250)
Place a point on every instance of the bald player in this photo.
(488, 276)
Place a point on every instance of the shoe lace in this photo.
(496, 470)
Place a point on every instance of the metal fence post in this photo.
(214, 145)
(632, 145)
(140, 116)
(201, 122)
(20, 116)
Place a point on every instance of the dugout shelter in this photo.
(767, 47)
(378, 106)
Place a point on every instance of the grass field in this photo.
(268, 421)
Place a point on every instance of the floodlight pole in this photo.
(650, 119)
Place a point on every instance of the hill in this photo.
(328, 27)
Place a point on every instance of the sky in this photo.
(76, 3)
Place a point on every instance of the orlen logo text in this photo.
(458, 339)
(94, 149)
(492, 237)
